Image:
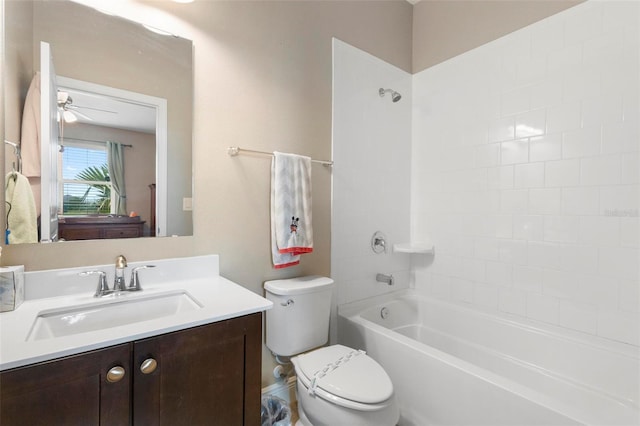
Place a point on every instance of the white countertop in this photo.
(220, 299)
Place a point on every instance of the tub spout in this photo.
(383, 278)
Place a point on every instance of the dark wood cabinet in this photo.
(98, 228)
(206, 375)
(69, 391)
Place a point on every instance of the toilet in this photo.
(336, 385)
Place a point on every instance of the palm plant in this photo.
(93, 175)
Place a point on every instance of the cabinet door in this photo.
(207, 375)
(69, 391)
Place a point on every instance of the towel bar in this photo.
(234, 150)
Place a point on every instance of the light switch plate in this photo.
(187, 204)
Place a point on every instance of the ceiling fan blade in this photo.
(76, 107)
(79, 114)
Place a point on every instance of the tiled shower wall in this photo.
(525, 172)
(371, 177)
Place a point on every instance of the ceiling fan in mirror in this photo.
(70, 113)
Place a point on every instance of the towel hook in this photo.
(18, 154)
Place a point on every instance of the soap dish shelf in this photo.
(414, 248)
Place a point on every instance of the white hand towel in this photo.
(21, 210)
(291, 227)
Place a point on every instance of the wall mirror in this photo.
(116, 81)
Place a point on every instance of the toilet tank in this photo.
(299, 319)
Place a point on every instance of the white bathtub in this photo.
(456, 366)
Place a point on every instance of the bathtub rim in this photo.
(351, 312)
(352, 309)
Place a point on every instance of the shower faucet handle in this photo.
(379, 243)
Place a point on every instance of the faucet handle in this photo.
(103, 287)
(134, 284)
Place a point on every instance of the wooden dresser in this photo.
(99, 227)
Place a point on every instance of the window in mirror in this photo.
(85, 185)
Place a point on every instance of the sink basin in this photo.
(115, 312)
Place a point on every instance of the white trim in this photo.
(160, 105)
(161, 165)
(48, 147)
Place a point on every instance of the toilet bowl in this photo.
(337, 385)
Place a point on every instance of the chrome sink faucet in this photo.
(118, 283)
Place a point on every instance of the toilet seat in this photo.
(354, 405)
(353, 379)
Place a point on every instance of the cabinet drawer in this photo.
(80, 233)
(122, 232)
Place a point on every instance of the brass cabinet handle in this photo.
(148, 366)
(115, 374)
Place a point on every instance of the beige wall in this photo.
(17, 76)
(443, 29)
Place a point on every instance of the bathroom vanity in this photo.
(207, 374)
(196, 362)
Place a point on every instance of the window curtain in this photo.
(115, 160)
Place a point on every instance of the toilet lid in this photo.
(360, 379)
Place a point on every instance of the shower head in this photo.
(395, 96)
